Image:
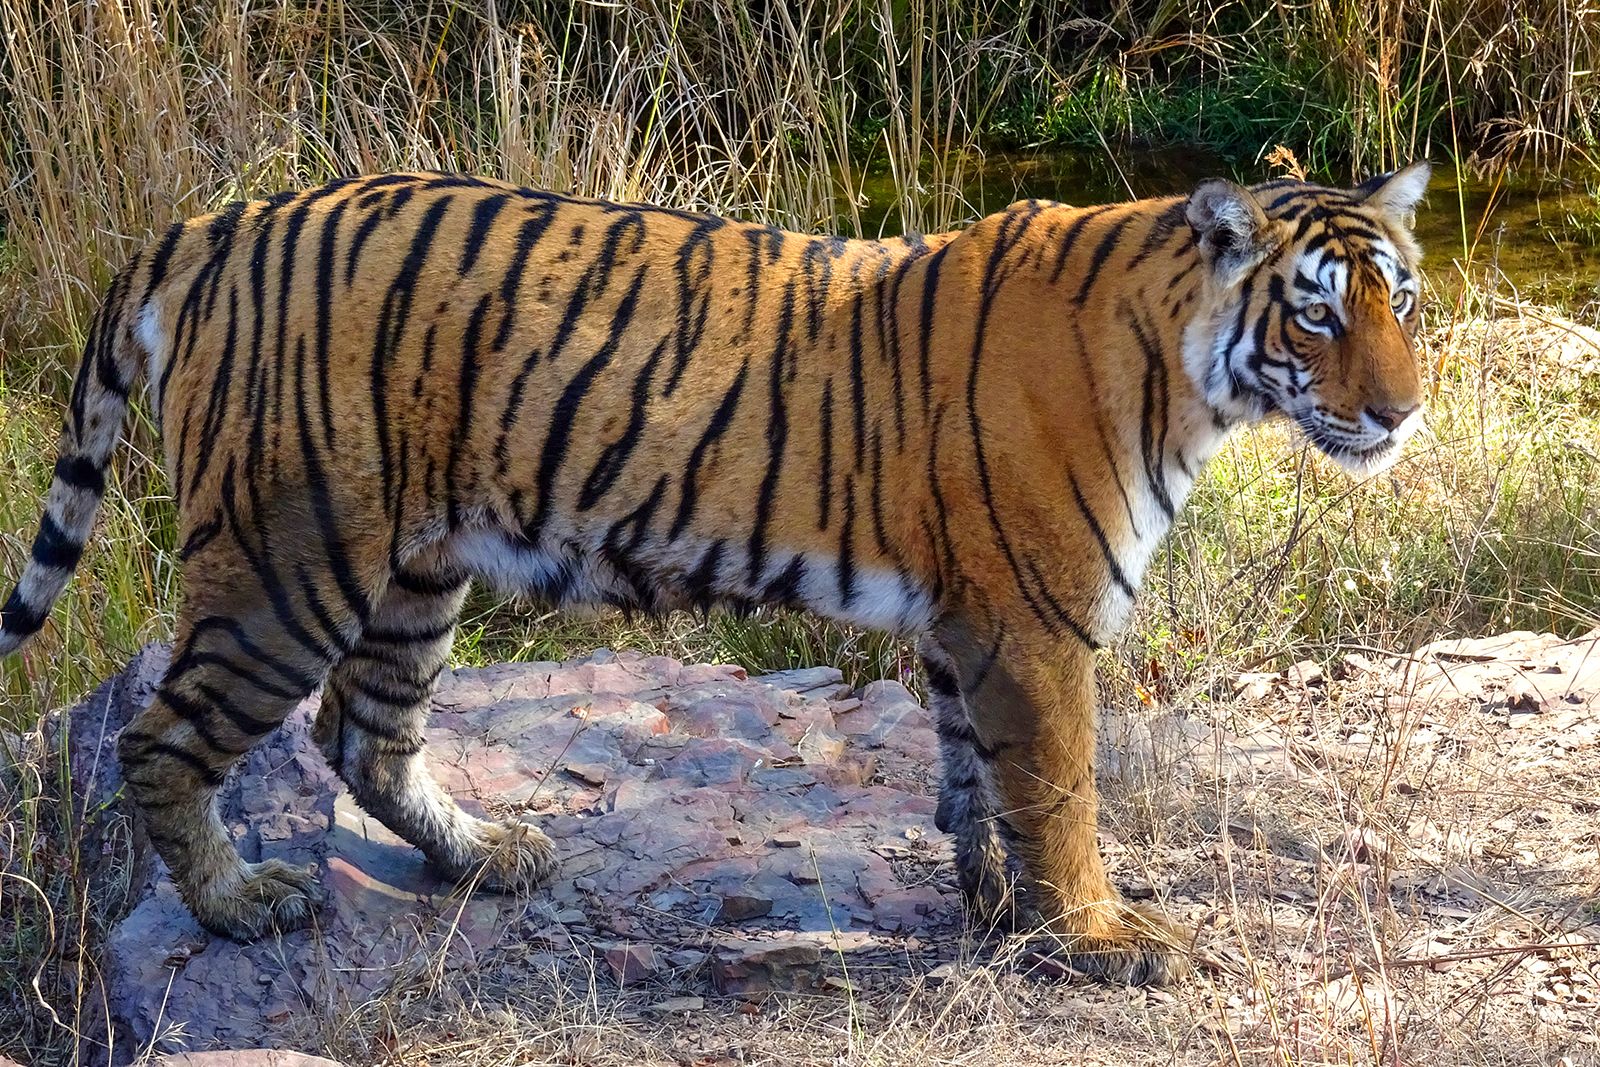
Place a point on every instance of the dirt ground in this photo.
(1385, 860)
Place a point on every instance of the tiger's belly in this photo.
(591, 566)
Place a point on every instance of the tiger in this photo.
(379, 390)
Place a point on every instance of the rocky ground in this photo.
(1385, 860)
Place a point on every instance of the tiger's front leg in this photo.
(1033, 710)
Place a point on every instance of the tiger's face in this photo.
(1322, 291)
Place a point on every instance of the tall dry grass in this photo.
(121, 117)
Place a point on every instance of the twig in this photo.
(1499, 950)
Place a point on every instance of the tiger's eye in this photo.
(1400, 300)
(1317, 312)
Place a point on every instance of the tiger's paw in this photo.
(1123, 945)
(514, 856)
(271, 897)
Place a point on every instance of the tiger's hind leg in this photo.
(968, 799)
(235, 675)
(374, 706)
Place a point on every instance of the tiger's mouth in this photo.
(1362, 460)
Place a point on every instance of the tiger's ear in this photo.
(1233, 233)
(1395, 195)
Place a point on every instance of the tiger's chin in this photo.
(1358, 461)
(1367, 463)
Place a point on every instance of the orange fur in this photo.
(376, 390)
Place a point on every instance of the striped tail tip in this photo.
(19, 621)
(57, 549)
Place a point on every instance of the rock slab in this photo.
(716, 831)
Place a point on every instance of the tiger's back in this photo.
(590, 402)
(377, 390)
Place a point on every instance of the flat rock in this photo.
(255, 1057)
(743, 967)
(664, 787)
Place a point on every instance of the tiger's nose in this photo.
(1389, 418)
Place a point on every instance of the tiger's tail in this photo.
(89, 436)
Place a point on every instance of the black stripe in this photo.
(20, 618)
(255, 373)
(216, 409)
(483, 215)
(956, 731)
(364, 231)
(190, 659)
(196, 713)
(825, 444)
(948, 572)
(721, 419)
(858, 384)
(941, 681)
(700, 586)
(1161, 230)
(317, 483)
(80, 472)
(441, 583)
(103, 362)
(1102, 252)
(395, 693)
(467, 391)
(594, 282)
(754, 237)
(694, 266)
(889, 337)
(149, 745)
(880, 531)
(528, 235)
(847, 545)
(777, 436)
(334, 643)
(99, 357)
(400, 658)
(784, 589)
(163, 257)
(200, 537)
(393, 319)
(930, 289)
(615, 455)
(1070, 238)
(1152, 449)
(326, 250)
(299, 680)
(554, 453)
(1117, 574)
(347, 712)
(53, 547)
(385, 636)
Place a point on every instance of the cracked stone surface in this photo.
(728, 836)
(717, 833)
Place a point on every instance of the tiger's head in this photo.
(1314, 309)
